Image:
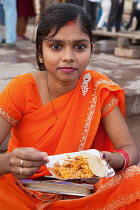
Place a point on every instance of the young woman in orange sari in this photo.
(65, 108)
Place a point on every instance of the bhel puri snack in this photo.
(84, 165)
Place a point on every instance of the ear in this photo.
(41, 59)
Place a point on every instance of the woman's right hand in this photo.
(25, 161)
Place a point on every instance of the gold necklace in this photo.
(54, 111)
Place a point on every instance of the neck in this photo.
(51, 100)
(56, 89)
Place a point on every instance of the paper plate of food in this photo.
(84, 166)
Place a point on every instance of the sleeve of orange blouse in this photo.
(109, 104)
(11, 101)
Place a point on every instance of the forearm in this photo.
(5, 163)
(118, 132)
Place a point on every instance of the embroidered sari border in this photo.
(7, 116)
(109, 105)
(93, 102)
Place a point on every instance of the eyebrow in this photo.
(58, 40)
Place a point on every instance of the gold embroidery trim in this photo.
(84, 86)
(6, 116)
(109, 105)
(91, 110)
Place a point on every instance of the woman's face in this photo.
(67, 54)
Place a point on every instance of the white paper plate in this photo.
(60, 159)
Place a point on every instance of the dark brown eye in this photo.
(80, 47)
(55, 46)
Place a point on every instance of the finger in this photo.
(21, 173)
(107, 156)
(30, 154)
(27, 172)
(37, 156)
(31, 164)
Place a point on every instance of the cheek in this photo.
(85, 59)
(50, 62)
(49, 58)
(47, 55)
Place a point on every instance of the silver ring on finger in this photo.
(21, 164)
(21, 170)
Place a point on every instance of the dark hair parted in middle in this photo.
(54, 18)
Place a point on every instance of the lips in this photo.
(67, 69)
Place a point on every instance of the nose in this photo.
(68, 56)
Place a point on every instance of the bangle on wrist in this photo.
(125, 156)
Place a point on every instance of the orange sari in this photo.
(78, 128)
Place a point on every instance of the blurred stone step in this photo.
(132, 105)
(126, 52)
(134, 127)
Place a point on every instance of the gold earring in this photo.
(41, 60)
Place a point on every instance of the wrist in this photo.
(5, 164)
(125, 156)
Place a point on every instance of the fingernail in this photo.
(46, 159)
(104, 156)
(44, 153)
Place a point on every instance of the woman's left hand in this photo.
(115, 160)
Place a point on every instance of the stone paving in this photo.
(16, 61)
(125, 72)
